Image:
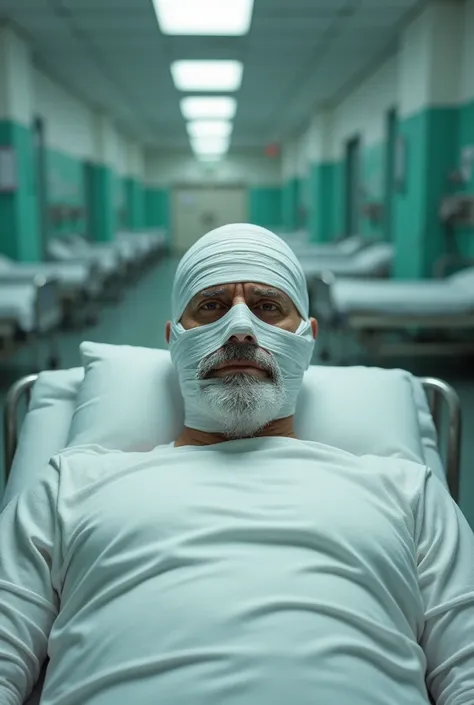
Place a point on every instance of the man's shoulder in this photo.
(406, 475)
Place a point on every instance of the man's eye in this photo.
(268, 307)
(210, 306)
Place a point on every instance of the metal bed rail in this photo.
(47, 317)
(437, 391)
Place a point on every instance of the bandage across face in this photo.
(238, 253)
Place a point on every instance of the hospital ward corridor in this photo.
(237, 352)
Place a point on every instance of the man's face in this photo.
(247, 387)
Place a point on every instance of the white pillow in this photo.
(130, 400)
(46, 426)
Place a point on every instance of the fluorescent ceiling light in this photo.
(207, 75)
(209, 128)
(208, 108)
(204, 17)
(210, 145)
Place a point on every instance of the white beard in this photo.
(243, 404)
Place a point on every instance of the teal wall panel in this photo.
(19, 215)
(121, 202)
(464, 237)
(157, 208)
(431, 143)
(265, 206)
(103, 214)
(135, 200)
(322, 189)
(65, 187)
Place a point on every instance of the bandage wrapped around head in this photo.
(238, 253)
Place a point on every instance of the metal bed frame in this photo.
(47, 319)
(369, 328)
(438, 392)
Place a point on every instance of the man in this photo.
(238, 565)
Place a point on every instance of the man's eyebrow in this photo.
(210, 293)
(271, 293)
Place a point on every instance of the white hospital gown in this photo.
(255, 572)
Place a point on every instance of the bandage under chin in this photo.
(292, 352)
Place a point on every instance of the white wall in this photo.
(430, 58)
(467, 73)
(363, 112)
(167, 168)
(15, 78)
(68, 121)
(74, 128)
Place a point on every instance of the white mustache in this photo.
(237, 352)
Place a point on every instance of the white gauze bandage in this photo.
(238, 253)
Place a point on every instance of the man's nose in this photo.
(243, 338)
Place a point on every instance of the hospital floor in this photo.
(140, 317)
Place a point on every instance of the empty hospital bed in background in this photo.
(108, 261)
(30, 312)
(346, 247)
(362, 410)
(80, 284)
(372, 261)
(151, 243)
(434, 317)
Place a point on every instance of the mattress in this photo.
(424, 298)
(17, 303)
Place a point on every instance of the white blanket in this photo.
(255, 572)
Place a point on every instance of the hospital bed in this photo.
(389, 413)
(372, 261)
(126, 251)
(80, 284)
(433, 317)
(30, 312)
(108, 261)
(345, 247)
(151, 244)
(362, 410)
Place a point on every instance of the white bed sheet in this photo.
(107, 261)
(70, 276)
(17, 303)
(366, 262)
(425, 298)
(344, 248)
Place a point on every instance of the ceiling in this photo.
(299, 53)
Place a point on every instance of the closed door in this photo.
(389, 173)
(353, 185)
(198, 210)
